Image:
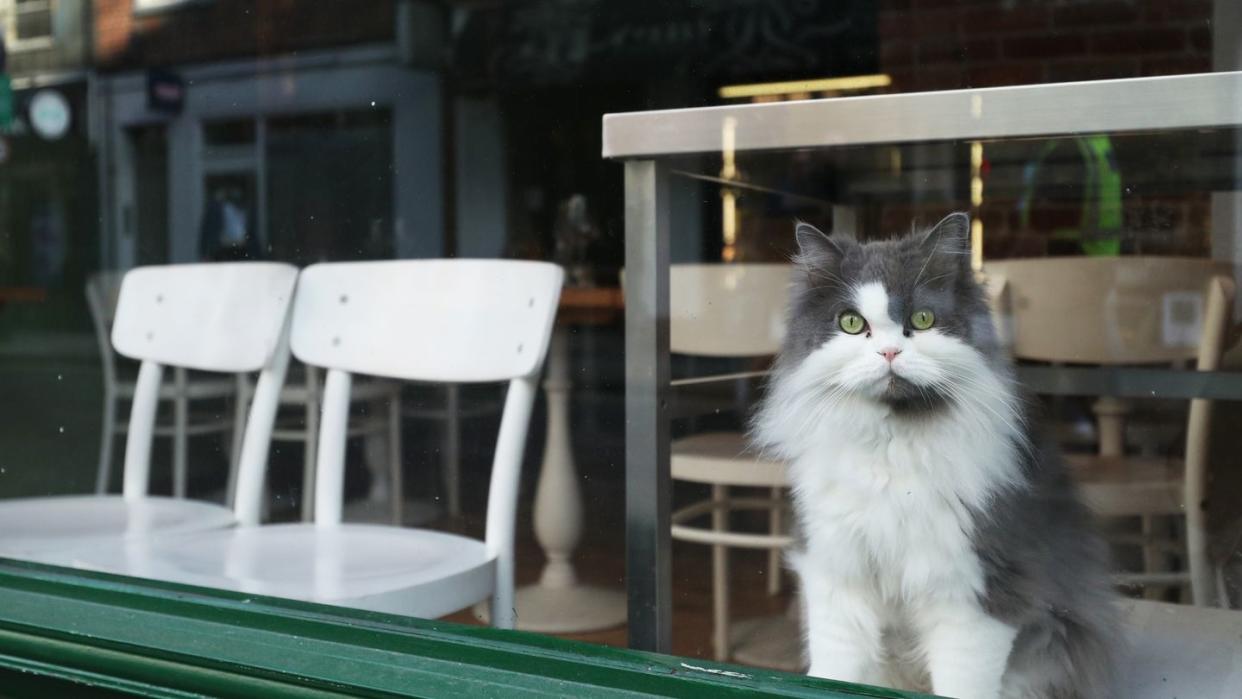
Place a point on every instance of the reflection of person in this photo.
(48, 239)
(574, 232)
(224, 233)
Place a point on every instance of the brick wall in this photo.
(947, 44)
(954, 44)
(233, 29)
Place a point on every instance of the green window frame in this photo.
(74, 633)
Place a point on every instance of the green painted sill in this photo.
(71, 633)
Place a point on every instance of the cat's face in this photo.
(900, 322)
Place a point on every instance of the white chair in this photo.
(427, 320)
(210, 317)
(183, 392)
(1129, 311)
(738, 311)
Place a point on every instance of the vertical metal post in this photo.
(647, 485)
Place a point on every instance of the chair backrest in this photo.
(102, 290)
(453, 321)
(223, 317)
(1105, 310)
(1126, 310)
(728, 310)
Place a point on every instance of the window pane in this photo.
(1076, 329)
(34, 23)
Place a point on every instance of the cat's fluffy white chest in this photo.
(890, 509)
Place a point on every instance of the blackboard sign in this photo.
(515, 45)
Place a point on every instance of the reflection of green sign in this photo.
(6, 102)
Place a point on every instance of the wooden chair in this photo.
(737, 311)
(1129, 311)
(461, 321)
(225, 318)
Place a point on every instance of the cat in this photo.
(942, 544)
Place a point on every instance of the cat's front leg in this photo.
(843, 627)
(967, 649)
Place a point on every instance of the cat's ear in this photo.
(949, 240)
(816, 248)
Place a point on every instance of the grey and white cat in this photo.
(943, 545)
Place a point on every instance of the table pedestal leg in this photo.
(558, 603)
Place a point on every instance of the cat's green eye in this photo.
(851, 322)
(922, 320)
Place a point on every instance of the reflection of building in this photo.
(312, 130)
(46, 167)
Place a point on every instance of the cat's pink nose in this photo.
(890, 353)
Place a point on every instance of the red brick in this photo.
(1186, 11)
(1095, 14)
(935, 52)
(894, 24)
(1092, 69)
(1060, 45)
(1176, 65)
(998, 74)
(903, 80)
(921, 23)
(989, 21)
(896, 52)
(1138, 41)
(939, 78)
(981, 49)
(1200, 38)
(947, 51)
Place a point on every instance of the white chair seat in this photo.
(723, 458)
(35, 526)
(415, 572)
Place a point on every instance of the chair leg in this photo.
(103, 477)
(1197, 560)
(312, 444)
(774, 555)
(452, 450)
(395, 480)
(1155, 558)
(376, 454)
(241, 403)
(181, 418)
(720, 577)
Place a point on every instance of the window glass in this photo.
(1096, 274)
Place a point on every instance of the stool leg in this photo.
(1153, 557)
(394, 458)
(241, 401)
(720, 576)
(104, 477)
(181, 420)
(452, 450)
(774, 554)
(312, 444)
